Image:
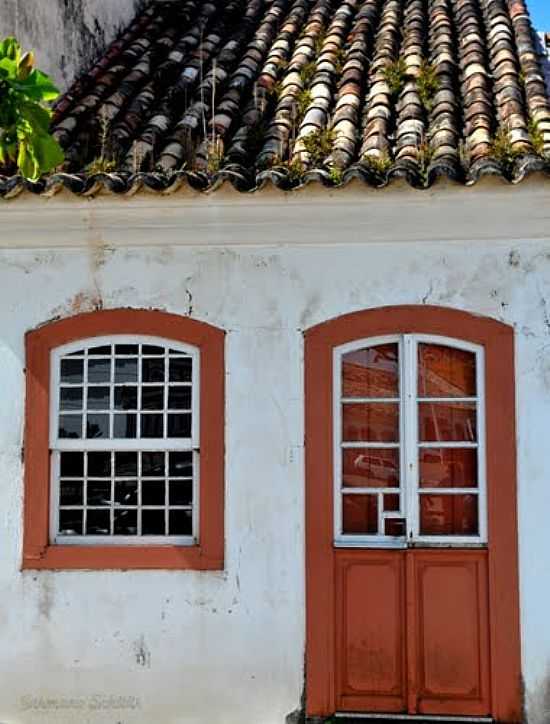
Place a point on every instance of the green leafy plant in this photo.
(318, 145)
(427, 84)
(380, 165)
(395, 75)
(25, 92)
(336, 175)
(503, 150)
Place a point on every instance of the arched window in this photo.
(409, 458)
(135, 443)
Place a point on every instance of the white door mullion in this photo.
(409, 441)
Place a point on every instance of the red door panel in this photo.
(451, 631)
(370, 635)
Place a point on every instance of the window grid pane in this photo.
(412, 469)
(106, 395)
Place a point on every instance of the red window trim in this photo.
(38, 553)
(498, 340)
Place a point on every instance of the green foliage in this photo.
(307, 72)
(380, 165)
(25, 93)
(303, 100)
(503, 150)
(536, 137)
(427, 84)
(395, 75)
(318, 145)
(104, 163)
(424, 156)
(336, 175)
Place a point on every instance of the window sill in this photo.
(62, 557)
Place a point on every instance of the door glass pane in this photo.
(447, 422)
(370, 422)
(448, 514)
(371, 372)
(360, 514)
(447, 468)
(370, 468)
(445, 372)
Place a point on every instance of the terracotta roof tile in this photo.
(286, 91)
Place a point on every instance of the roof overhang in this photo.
(491, 211)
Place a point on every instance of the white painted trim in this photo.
(313, 215)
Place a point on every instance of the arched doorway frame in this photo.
(497, 339)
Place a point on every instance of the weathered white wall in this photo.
(67, 35)
(227, 648)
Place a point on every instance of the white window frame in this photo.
(409, 445)
(165, 444)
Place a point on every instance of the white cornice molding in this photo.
(489, 211)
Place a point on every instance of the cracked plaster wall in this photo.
(227, 648)
(67, 35)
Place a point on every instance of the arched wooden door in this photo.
(412, 584)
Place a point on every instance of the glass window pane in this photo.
(126, 349)
(72, 465)
(125, 522)
(70, 426)
(97, 426)
(153, 492)
(180, 522)
(447, 422)
(445, 372)
(70, 522)
(70, 398)
(152, 464)
(98, 522)
(179, 425)
(105, 350)
(125, 464)
(152, 425)
(126, 370)
(72, 371)
(179, 398)
(152, 349)
(98, 492)
(125, 426)
(391, 502)
(153, 369)
(447, 468)
(370, 468)
(126, 398)
(370, 422)
(126, 492)
(99, 398)
(153, 522)
(99, 370)
(360, 514)
(181, 369)
(71, 492)
(371, 372)
(395, 527)
(180, 464)
(448, 514)
(152, 398)
(99, 464)
(181, 492)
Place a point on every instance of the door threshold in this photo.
(416, 717)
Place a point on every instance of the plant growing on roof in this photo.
(318, 145)
(395, 75)
(378, 164)
(503, 150)
(427, 84)
(25, 94)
